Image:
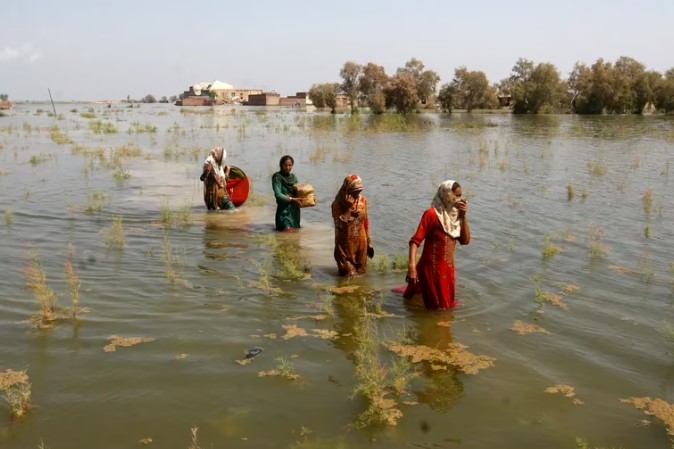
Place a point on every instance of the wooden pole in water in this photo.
(52, 101)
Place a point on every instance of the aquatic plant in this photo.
(597, 168)
(74, 284)
(9, 217)
(99, 127)
(169, 260)
(36, 281)
(647, 200)
(38, 159)
(372, 379)
(59, 137)
(595, 235)
(401, 262)
(121, 175)
(95, 202)
(88, 115)
(114, 236)
(549, 250)
(195, 439)
(570, 192)
(402, 372)
(382, 264)
(647, 232)
(137, 127)
(17, 390)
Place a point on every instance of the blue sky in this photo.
(88, 50)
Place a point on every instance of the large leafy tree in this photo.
(471, 90)
(591, 87)
(535, 88)
(446, 97)
(625, 77)
(426, 81)
(324, 95)
(401, 93)
(664, 93)
(351, 73)
(371, 86)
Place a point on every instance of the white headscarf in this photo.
(216, 157)
(444, 204)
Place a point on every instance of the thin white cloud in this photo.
(23, 53)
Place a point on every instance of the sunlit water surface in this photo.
(613, 341)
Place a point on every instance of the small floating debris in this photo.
(182, 356)
(308, 317)
(253, 352)
(325, 334)
(116, 341)
(145, 441)
(555, 300)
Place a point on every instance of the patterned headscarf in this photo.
(444, 204)
(351, 184)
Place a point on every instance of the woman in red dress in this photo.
(441, 227)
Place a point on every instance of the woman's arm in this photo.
(415, 243)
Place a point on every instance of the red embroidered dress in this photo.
(435, 268)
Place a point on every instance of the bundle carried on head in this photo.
(305, 192)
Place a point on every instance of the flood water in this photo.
(208, 286)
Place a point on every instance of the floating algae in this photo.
(116, 341)
(455, 355)
(293, 331)
(655, 407)
(566, 391)
(523, 328)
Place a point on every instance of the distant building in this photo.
(299, 100)
(264, 99)
(217, 92)
(6, 105)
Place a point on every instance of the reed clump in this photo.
(9, 217)
(284, 368)
(170, 218)
(95, 202)
(36, 281)
(100, 127)
(113, 237)
(549, 249)
(373, 379)
(170, 260)
(647, 201)
(595, 235)
(17, 389)
(401, 262)
(570, 192)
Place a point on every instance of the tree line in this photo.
(623, 87)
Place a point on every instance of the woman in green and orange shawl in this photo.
(352, 228)
(287, 207)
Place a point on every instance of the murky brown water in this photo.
(612, 280)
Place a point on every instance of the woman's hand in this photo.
(297, 201)
(462, 206)
(412, 277)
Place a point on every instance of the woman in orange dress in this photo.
(441, 226)
(352, 228)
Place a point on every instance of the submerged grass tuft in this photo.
(36, 281)
(113, 237)
(17, 389)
